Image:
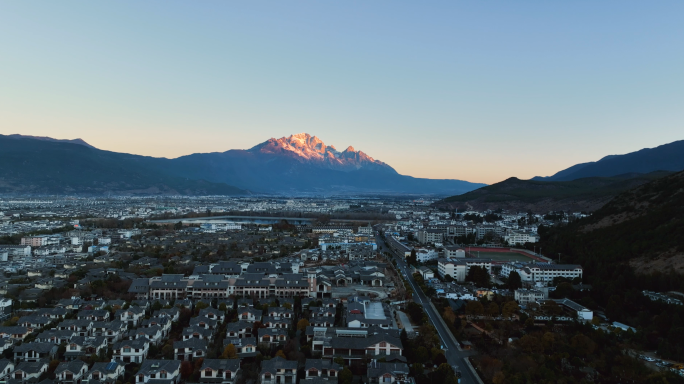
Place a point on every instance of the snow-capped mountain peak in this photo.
(310, 149)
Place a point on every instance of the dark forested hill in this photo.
(37, 166)
(634, 243)
(643, 227)
(588, 194)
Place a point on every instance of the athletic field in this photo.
(501, 256)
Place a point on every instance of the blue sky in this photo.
(479, 91)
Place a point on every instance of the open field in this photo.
(502, 256)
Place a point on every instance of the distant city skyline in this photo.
(472, 91)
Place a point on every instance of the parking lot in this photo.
(652, 361)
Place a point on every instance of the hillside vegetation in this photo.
(643, 227)
(634, 243)
(588, 194)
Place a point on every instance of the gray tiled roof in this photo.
(232, 365)
(273, 365)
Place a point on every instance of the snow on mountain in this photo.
(310, 149)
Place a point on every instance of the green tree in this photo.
(302, 324)
(493, 310)
(529, 344)
(514, 281)
(563, 290)
(229, 352)
(474, 308)
(582, 345)
(552, 308)
(413, 259)
(479, 276)
(510, 308)
(346, 376)
(422, 355)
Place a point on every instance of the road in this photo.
(454, 354)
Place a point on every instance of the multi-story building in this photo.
(460, 230)
(353, 344)
(424, 255)
(189, 350)
(320, 369)
(426, 236)
(34, 351)
(526, 296)
(131, 351)
(223, 371)
(272, 336)
(482, 230)
(168, 371)
(454, 251)
(542, 272)
(458, 268)
(80, 327)
(71, 372)
(394, 373)
(79, 346)
(332, 229)
(245, 347)
(106, 372)
(6, 367)
(16, 252)
(278, 371)
(520, 237)
(367, 230)
(132, 316)
(29, 371)
(208, 287)
(39, 241)
(168, 287)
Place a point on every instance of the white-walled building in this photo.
(458, 268)
(430, 236)
(542, 272)
(520, 237)
(526, 296)
(583, 313)
(453, 251)
(424, 255)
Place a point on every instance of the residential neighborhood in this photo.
(190, 299)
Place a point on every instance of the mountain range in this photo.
(298, 164)
(667, 157)
(304, 164)
(582, 187)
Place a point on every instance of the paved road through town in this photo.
(454, 354)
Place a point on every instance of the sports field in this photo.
(501, 256)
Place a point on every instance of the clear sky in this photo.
(473, 90)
